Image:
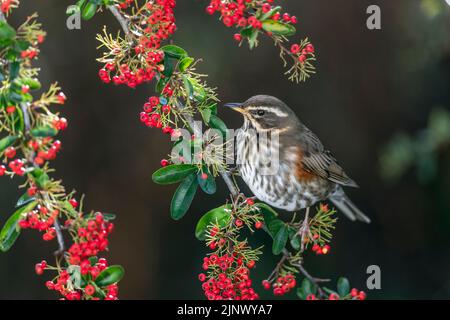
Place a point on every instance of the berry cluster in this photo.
(156, 113)
(27, 143)
(153, 23)
(282, 285)
(302, 51)
(355, 294)
(40, 219)
(228, 278)
(246, 13)
(320, 249)
(92, 238)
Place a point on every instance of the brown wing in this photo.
(316, 160)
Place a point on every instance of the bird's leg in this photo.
(304, 229)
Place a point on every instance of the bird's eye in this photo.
(260, 113)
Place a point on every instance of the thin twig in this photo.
(60, 238)
(123, 21)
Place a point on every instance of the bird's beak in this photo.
(236, 106)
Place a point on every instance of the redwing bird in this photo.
(306, 172)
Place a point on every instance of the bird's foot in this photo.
(304, 232)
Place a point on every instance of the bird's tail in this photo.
(347, 207)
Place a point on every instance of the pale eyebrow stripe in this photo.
(279, 113)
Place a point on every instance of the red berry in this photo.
(238, 222)
(250, 201)
(237, 37)
(89, 290)
(2, 170)
(325, 249)
(311, 297)
(266, 284)
(73, 203)
(302, 58)
(354, 292)
(38, 269)
(10, 152)
(259, 225)
(362, 295)
(164, 162)
(295, 48)
(201, 277)
(204, 176)
(333, 296)
(10, 109)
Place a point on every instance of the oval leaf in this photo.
(208, 185)
(343, 286)
(11, 229)
(280, 240)
(6, 31)
(173, 173)
(183, 197)
(7, 142)
(43, 132)
(278, 28)
(268, 213)
(185, 63)
(174, 51)
(89, 11)
(217, 123)
(220, 215)
(110, 275)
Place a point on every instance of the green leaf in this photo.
(183, 197)
(24, 199)
(220, 216)
(168, 67)
(7, 142)
(11, 229)
(278, 28)
(343, 286)
(43, 132)
(14, 69)
(206, 115)
(208, 185)
(185, 63)
(295, 240)
(280, 240)
(174, 51)
(33, 84)
(40, 177)
(188, 87)
(6, 32)
(110, 275)
(306, 288)
(173, 173)
(89, 11)
(70, 209)
(217, 123)
(268, 213)
(274, 226)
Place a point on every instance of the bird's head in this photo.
(266, 113)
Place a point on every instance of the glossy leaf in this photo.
(278, 28)
(174, 51)
(43, 132)
(295, 240)
(40, 177)
(89, 11)
(220, 216)
(6, 32)
(268, 213)
(217, 123)
(11, 229)
(183, 197)
(208, 185)
(185, 63)
(306, 288)
(343, 286)
(110, 275)
(24, 199)
(280, 240)
(173, 173)
(7, 142)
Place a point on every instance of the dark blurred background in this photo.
(369, 86)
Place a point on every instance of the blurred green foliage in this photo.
(420, 151)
